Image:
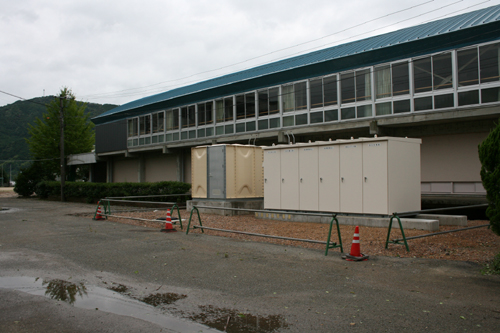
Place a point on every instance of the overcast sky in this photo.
(110, 51)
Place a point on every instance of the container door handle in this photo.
(282, 180)
(321, 180)
(365, 179)
(342, 179)
(301, 180)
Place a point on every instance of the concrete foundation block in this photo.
(366, 221)
(459, 220)
(242, 204)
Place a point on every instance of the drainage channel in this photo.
(93, 297)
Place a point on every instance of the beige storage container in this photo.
(227, 172)
(365, 176)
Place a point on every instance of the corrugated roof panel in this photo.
(407, 35)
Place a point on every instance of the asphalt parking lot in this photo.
(243, 286)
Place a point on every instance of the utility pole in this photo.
(61, 124)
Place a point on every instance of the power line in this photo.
(247, 60)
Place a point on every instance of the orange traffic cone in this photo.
(98, 213)
(168, 223)
(355, 254)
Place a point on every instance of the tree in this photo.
(44, 141)
(489, 155)
(29, 177)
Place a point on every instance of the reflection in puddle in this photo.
(161, 299)
(93, 297)
(63, 290)
(229, 320)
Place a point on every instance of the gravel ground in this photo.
(475, 245)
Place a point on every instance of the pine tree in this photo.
(489, 155)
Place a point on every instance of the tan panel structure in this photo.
(160, 168)
(376, 176)
(126, 171)
(199, 172)
(227, 172)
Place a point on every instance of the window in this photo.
(274, 123)
(294, 97)
(158, 122)
(400, 79)
(245, 106)
(468, 69)
(347, 88)
(422, 75)
(402, 106)
(331, 115)
(301, 119)
(490, 95)
(383, 82)
(288, 121)
(268, 101)
(442, 77)
(383, 109)
(363, 85)
(443, 101)
(132, 127)
(187, 116)
(364, 111)
(263, 124)
(323, 92)
(145, 125)
(228, 109)
(424, 103)
(288, 98)
(219, 111)
(300, 91)
(490, 63)
(172, 119)
(316, 117)
(348, 113)
(205, 113)
(468, 97)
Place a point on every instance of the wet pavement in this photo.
(61, 272)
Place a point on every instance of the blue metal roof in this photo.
(460, 23)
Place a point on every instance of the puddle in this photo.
(96, 298)
(231, 321)
(161, 299)
(119, 288)
(63, 290)
(8, 210)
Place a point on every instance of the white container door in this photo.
(351, 175)
(290, 179)
(308, 178)
(375, 193)
(272, 179)
(329, 178)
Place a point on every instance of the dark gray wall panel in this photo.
(111, 136)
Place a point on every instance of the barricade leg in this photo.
(334, 245)
(178, 214)
(402, 232)
(190, 216)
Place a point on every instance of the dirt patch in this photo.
(6, 192)
(475, 245)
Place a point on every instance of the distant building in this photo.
(438, 81)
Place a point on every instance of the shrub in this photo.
(93, 192)
(29, 177)
(492, 267)
(489, 155)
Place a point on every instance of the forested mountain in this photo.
(14, 120)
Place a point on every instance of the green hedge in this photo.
(92, 192)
